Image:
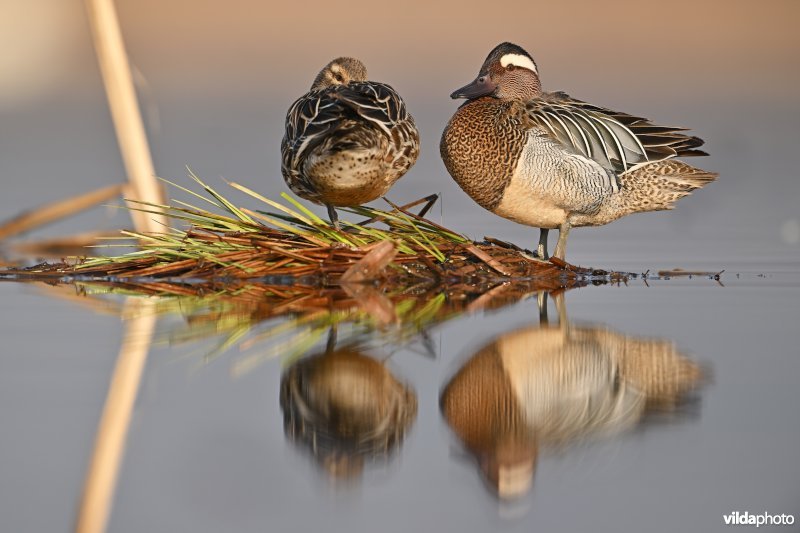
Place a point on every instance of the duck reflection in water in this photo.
(345, 407)
(547, 386)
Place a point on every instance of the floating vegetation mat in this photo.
(286, 243)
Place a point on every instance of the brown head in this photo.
(509, 73)
(340, 71)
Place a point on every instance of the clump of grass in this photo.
(287, 239)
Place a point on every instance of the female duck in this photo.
(348, 139)
(549, 161)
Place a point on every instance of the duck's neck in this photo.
(528, 90)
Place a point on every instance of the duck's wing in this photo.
(319, 114)
(309, 120)
(376, 103)
(616, 140)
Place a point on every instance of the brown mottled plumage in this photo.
(550, 161)
(347, 140)
(547, 386)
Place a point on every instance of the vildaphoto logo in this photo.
(764, 519)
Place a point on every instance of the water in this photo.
(207, 449)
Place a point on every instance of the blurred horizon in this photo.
(187, 47)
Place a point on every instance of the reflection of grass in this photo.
(267, 321)
(255, 319)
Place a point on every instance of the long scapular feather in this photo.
(596, 137)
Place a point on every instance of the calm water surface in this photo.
(208, 450)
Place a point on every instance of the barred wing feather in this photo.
(375, 102)
(317, 114)
(617, 141)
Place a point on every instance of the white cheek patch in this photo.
(518, 60)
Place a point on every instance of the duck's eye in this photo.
(482, 79)
(510, 67)
(338, 77)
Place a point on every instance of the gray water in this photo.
(207, 450)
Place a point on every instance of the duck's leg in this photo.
(561, 247)
(541, 250)
(333, 216)
(429, 201)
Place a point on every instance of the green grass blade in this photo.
(229, 206)
(310, 214)
(272, 203)
(189, 191)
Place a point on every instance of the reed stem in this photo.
(114, 66)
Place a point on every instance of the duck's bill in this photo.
(481, 86)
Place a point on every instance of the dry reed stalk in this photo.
(101, 479)
(143, 185)
(63, 246)
(57, 210)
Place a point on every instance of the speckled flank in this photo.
(651, 187)
(550, 183)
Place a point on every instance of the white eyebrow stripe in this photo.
(518, 60)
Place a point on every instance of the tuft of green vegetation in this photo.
(285, 238)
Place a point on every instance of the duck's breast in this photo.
(480, 148)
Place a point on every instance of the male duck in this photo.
(348, 139)
(550, 161)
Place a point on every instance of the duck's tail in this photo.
(656, 186)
